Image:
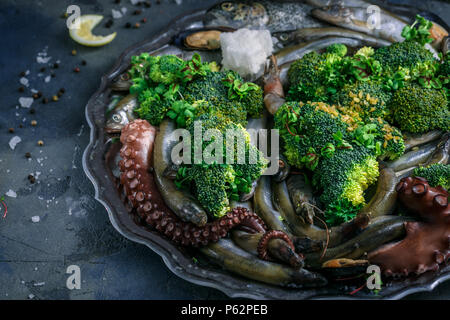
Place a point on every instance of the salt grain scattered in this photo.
(26, 102)
(35, 219)
(24, 81)
(47, 79)
(14, 141)
(116, 14)
(11, 194)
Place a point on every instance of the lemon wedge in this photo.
(84, 36)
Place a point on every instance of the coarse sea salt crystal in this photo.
(35, 219)
(47, 79)
(116, 14)
(26, 102)
(245, 51)
(11, 194)
(14, 141)
(24, 81)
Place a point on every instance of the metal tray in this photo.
(179, 260)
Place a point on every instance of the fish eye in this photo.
(227, 6)
(284, 37)
(117, 118)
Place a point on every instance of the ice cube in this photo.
(245, 51)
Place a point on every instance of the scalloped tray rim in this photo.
(232, 285)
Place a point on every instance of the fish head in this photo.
(116, 121)
(284, 37)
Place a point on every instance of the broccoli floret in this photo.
(417, 109)
(344, 177)
(254, 102)
(436, 175)
(152, 107)
(367, 98)
(208, 87)
(365, 52)
(305, 79)
(214, 184)
(406, 54)
(307, 130)
(167, 70)
(211, 88)
(233, 112)
(338, 48)
(391, 144)
(444, 68)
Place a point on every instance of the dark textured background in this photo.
(74, 228)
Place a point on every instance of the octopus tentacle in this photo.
(142, 194)
(264, 241)
(427, 243)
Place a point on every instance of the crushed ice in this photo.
(245, 51)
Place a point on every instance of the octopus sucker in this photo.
(142, 193)
(426, 246)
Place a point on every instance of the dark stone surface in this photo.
(73, 227)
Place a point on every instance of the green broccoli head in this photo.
(338, 49)
(230, 111)
(308, 131)
(367, 98)
(391, 144)
(417, 109)
(305, 78)
(151, 107)
(166, 69)
(212, 184)
(436, 175)
(212, 89)
(215, 183)
(444, 68)
(344, 177)
(406, 54)
(253, 102)
(208, 87)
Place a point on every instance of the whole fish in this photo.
(361, 19)
(122, 114)
(292, 53)
(365, 17)
(311, 34)
(274, 16)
